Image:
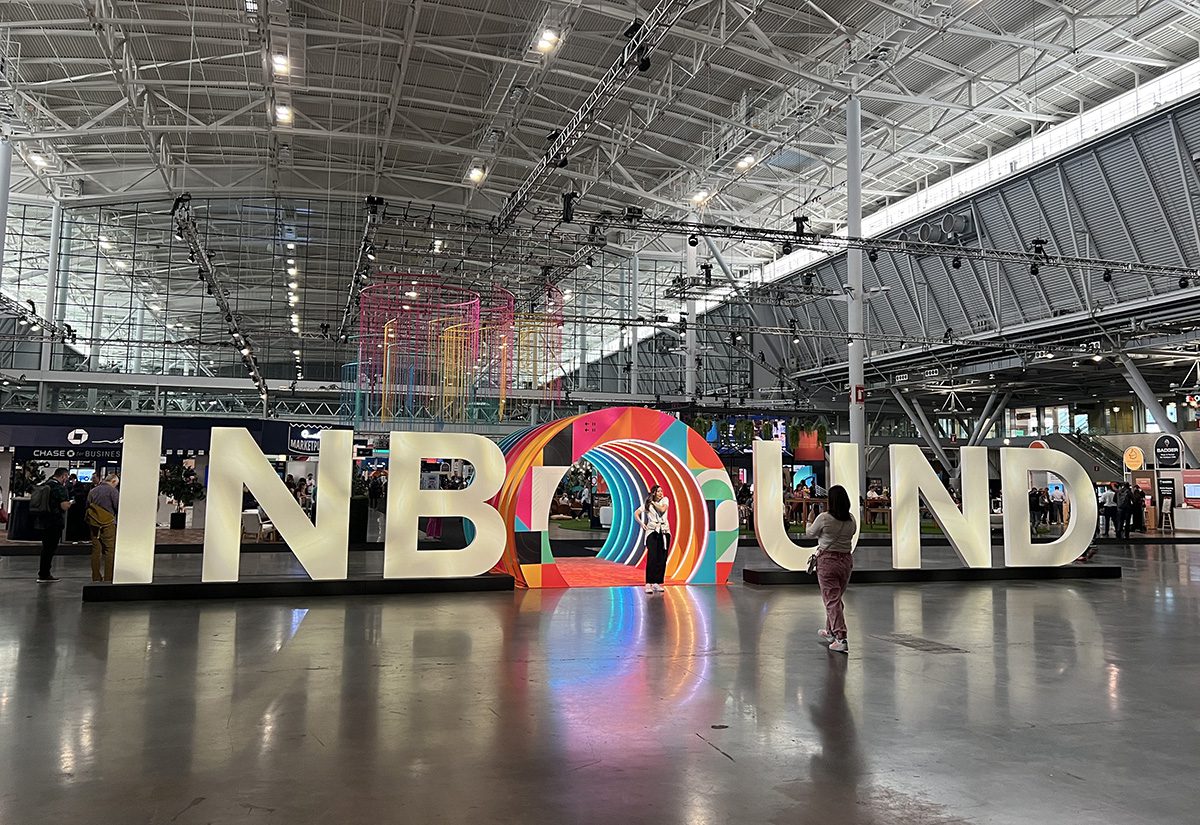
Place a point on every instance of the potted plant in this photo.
(184, 488)
(359, 508)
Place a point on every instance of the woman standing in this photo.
(834, 532)
(652, 516)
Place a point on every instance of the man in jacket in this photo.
(1108, 508)
(49, 507)
(103, 501)
(1124, 510)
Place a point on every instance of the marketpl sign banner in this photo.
(1167, 453)
(322, 547)
(304, 440)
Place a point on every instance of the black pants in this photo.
(658, 545)
(1124, 514)
(50, 537)
(1110, 518)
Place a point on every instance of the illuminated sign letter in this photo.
(321, 548)
(1019, 551)
(133, 560)
(968, 530)
(406, 502)
(768, 499)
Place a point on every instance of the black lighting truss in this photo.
(186, 230)
(634, 220)
(644, 38)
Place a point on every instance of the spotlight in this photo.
(1183, 283)
(633, 28)
(787, 248)
(693, 240)
(872, 255)
(1107, 276)
(643, 59)
(1034, 269)
(568, 206)
(590, 262)
(807, 279)
(956, 262)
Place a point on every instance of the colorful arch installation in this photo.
(633, 449)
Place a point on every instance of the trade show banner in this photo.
(511, 487)
(1168, 453)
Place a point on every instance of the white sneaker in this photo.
(825, 635)
(649, 588)
(839, 646)
(658, 588)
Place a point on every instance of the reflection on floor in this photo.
(599, 573)
(1060, 702)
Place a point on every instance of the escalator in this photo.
(1102, 461)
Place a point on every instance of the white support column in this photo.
(689, 337)
(634, 313)
(1150, 401)
(6, 153)
(52, 266)
(854, 275)
(97, 325)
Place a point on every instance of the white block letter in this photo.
(406, 502)
(133, 560)
(1016, 463)
(968, 530)
(768, 499)
(236, 460)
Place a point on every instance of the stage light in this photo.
(547, 41)
(1034, 269)
(589, 262)
(279, 62)
(787, 248)
(700, 197)
(476, 174)
(746, 162)
(956, 262)
(1183, 283)
(283, 114)
(292, 270)
(296, 353)
(1097, 357)
(795, 339)
(568, 206)
(293, 285)
(291, 246)
(643, 59)
(412, 293)
(872, 255)
(1107, 276)
(693, 240)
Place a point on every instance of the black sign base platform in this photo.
(941, 574)
(290, 588)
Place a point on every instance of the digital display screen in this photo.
(1191, 491)
(85, 475)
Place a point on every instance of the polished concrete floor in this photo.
(1006, 703)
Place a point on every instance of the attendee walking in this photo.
(1124, 499)
(652, 516)
(1058, 498)
(834, 531)
(102, 505)
(48, 505)
(1108, 507)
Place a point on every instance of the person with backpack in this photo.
(102, 503)
(48, 506)
(1124, 510)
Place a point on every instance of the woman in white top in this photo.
(652, 516)
(834, 532)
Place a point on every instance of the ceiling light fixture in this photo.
(700, 197)
(280, 63)
(476, 174)
(37, 160)
(746, 162)
(283, 114)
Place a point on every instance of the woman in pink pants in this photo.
(834, 532)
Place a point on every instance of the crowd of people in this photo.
(1123, 506)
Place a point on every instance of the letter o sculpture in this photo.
(633, 449)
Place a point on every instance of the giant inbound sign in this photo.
(502, 483)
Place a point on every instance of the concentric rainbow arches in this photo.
(633, 449)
